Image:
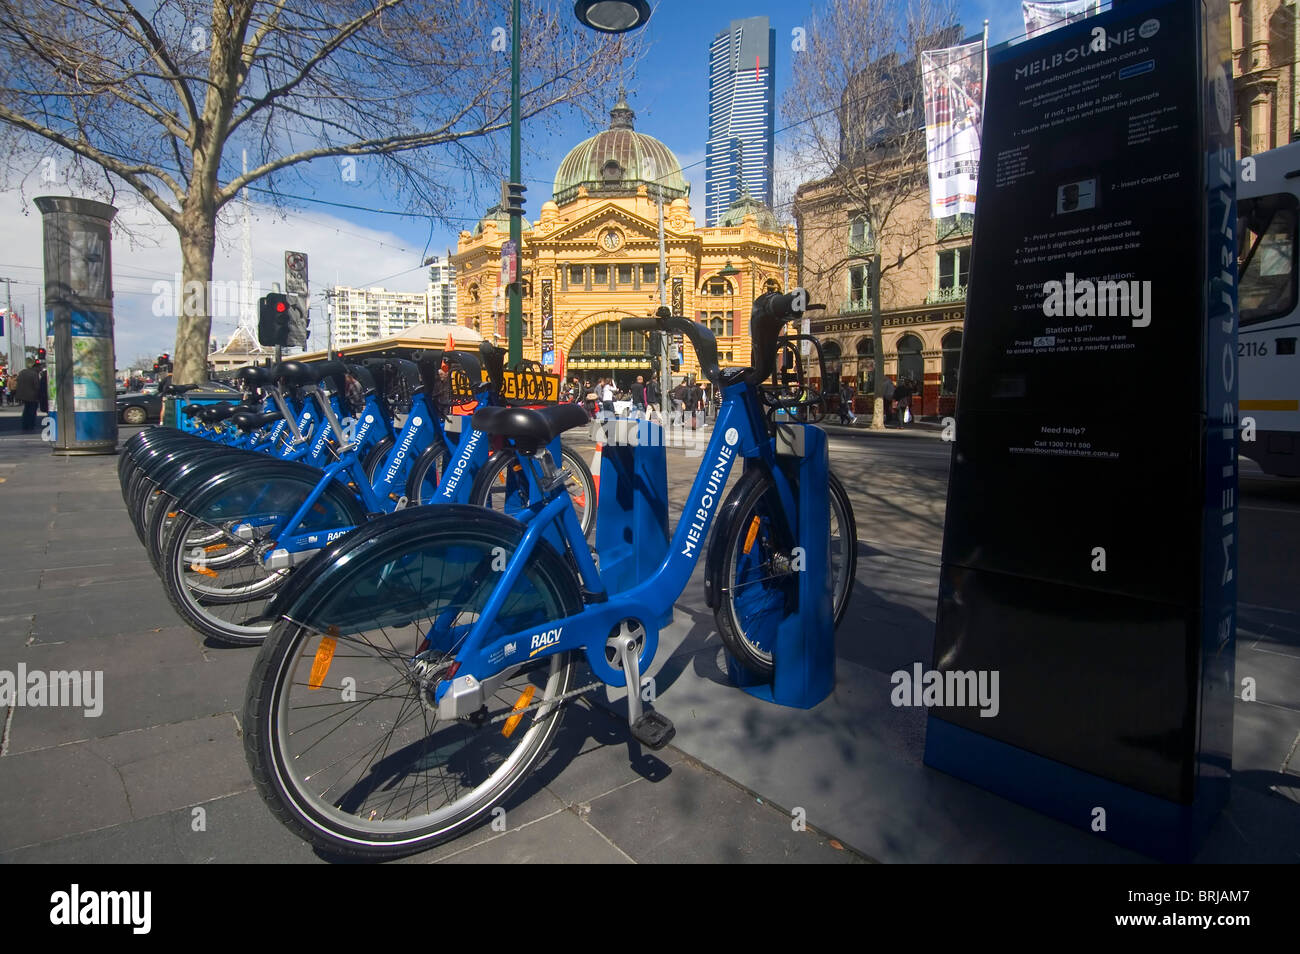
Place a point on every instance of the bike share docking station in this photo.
(803, 651)
(633, 536)
(1088, 562)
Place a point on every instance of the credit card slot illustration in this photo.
(1137, 69)
(1076, 196)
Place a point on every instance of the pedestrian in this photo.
(652, 397)
(43, 388)
(693, 398)
(678, 395)
(606, 390)
(846, 403)
(888, 394)
(28, 393)
(903, 395)
(639, 397)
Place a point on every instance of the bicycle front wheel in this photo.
(343, 732)
(756, 575)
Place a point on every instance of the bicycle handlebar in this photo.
(702, 339)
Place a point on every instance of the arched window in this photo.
(831, 357)
(772, 285)
(866, 347)
(717, 286)
(951, 345)
(910, 364)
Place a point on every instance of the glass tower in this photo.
(742, 115)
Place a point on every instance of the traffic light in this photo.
(40, 355)
(513, 196)
(273, 320)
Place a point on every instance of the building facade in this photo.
(442, 290)
(1266, 77)
(363, 314)
(592, 259)
(739, 153)
(922, 300)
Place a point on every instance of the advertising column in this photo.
(79, 314)
(1088, 557)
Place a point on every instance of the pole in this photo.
(665, 403)
(515, 291)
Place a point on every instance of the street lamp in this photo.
(606, 16)
(612, 17)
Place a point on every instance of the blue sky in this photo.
(347, 246)
(669, 95)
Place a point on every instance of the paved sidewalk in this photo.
(77, 592)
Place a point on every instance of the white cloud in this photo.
(146, 250)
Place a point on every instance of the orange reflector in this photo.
(321, 664)
(172, 514)
(513, 722)
(196, 568)
(749, 537)
(580, 500)
(215, 547)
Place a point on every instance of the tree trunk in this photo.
(878, 351)
(193, 322)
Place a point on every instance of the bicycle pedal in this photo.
(654, 730)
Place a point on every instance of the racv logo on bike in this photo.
(712, 487)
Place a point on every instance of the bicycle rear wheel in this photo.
(757, 585)
(500, 488)
(342, 732)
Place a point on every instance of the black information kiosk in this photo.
(1090, 546)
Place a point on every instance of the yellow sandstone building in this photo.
(592, 259)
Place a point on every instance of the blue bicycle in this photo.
(418, 668)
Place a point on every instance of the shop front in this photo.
(921, 345)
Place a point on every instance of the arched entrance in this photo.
(911, 366)
(602, 349)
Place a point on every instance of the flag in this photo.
(1043, 16)
(952, 81)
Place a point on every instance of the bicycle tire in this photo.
(377, 456)
(426, 474)
(399, 566)
(491, 483)
(746, 620)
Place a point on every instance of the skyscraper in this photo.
(742, 115)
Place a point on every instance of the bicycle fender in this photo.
(306, 589)
(221, 494)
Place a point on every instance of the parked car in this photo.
(139, 408)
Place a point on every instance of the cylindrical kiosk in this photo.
(79, 314)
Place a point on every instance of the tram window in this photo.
(1266, 255)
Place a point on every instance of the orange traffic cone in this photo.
(451, 342)
(595, 473)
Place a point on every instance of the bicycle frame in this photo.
(740, 431)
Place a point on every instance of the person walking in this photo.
(652, 397)
(639, 396)
(607, 395)
(28, 393)
(903, 394)
(846, 403)
(693, 398)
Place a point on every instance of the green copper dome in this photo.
(744, 205)
(501, 217)
(618, 160)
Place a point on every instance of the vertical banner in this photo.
(1042, 16)
(953, 81)
(678, 303)
(548, 322)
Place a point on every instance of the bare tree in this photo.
(857, 122)
(162, 96)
